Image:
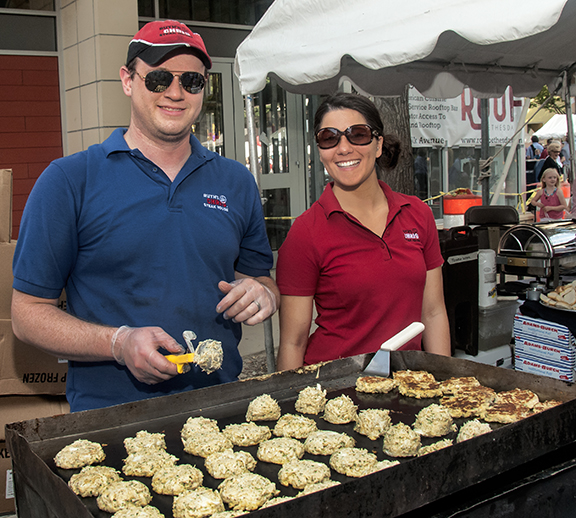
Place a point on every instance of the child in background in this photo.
(550, 198)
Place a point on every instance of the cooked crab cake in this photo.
(519, 397)
(472, 428)
(326, 442)
(471, 402)
(434, 421)
(174, 480)
(311, 400)
(545, 405)
(263, 408)
(438, 445)
(300, 473)
(340, 410)
(247, 492)
(455, 385)
(198, 424)
(505, 412)
(203, 444)
(280, 450)
(145, 441)
(320, 486)
(417, 384)
(375, 384)
(247, 434)
(138, 512)
(295, 426)
(198, 503)
(92, 480)
(79, 454)
(401, 441)
(125, 493)
(146, 463)
(225, 464)
(353, 462)
(373, 422)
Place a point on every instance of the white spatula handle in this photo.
(399, 339)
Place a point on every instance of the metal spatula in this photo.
(380, 364)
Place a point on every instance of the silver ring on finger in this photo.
(257, 305)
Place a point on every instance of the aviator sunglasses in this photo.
(357, 134)
(159, 81)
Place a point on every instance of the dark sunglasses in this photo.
(159, 80)
(358, 135)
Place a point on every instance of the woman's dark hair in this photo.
(365, 107)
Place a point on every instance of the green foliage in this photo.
(555, 105)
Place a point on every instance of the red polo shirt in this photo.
(366, 287)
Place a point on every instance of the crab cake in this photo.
(246, 434)
(198, 503)
(472, 428)
(401, 441)
(79, 454)
(198, 424)
(519, 397)
(247, 492)
(300, 473)
(174, 480)
(505, 412)
(353, 462)
(326, 442)
(311, 400)
(146, 463)
(280, 450)
(438, 445)
(138, 512)
(225, 464)
(144, 441)
(228, 514)
(455, 385)
(125, 493)
(319, 486)
(263, 408)
(275, 501)
(545, 405)
(92, 480)
(375, 384)
(203, 444)
(384, 464)
(209, 355)
(295, 426)
(340, 410)
(417, 384)
(434, 421)
(471, 402)
(373, 422)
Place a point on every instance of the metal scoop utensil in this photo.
(380, 363)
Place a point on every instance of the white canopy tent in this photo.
(556, 127)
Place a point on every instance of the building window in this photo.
(33, 5)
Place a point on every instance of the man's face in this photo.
(164, 116)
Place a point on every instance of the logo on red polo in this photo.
(411, 235)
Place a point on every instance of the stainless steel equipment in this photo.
(542, 250)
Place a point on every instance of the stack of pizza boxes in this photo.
(543, 347)
(32, 383)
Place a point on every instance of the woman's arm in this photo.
(436, 336)
(295, 321)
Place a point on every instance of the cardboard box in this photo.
(535, 328)
(6, 255)
(7, 504)
(26, 370)
(5, 205)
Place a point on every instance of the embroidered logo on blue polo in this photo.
(216, 201)
(411, 235)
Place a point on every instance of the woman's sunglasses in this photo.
(159, 81)
(358, 135)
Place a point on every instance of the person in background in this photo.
(534, 150)
(367, 257)
(150, 234)
(551, 161)
(550, 199)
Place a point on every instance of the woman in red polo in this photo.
(367, 257)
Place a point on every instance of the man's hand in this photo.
(247, 300)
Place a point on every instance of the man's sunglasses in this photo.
(159, 81)
(358, 135)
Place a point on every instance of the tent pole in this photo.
(569, 124)
(485, 149)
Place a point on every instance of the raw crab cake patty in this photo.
(228, 463)
(174, 480)
(145, 441)
(138, 512)
(311, 400)
(125, 493)
(263, 408)
(434, 421)
(79, 454)
(203, 444)
(401, 441)
(295, 426)
(247, 491)
(340, 410)
(326, 442)
(375, 384)
(247, 434)
(280, 450)
(92, 480)
(198, 424)
(300, 473)
(353, 462)
(198, 503)
(373, 422)
(146, 463)
(438, 445)
(320, 486)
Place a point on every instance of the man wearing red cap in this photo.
(150, 234)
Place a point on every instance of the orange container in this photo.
(460, 202)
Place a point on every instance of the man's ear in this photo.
(126, 81)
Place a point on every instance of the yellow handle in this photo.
(180, 360)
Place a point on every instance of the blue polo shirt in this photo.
(133, 248)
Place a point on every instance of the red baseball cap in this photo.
(153, 42)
